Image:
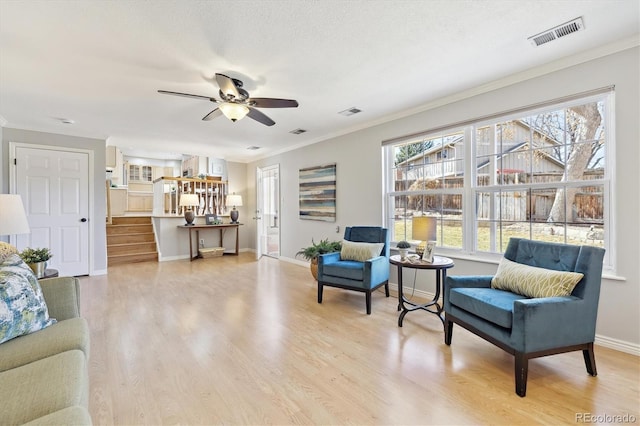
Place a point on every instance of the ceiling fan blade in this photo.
(213, 114)
(273, 103)
(258, 116)
(187, 95)
(227, 86)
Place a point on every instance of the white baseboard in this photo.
(170, 258)
(294, 261)
(408, 291)
(618, 345)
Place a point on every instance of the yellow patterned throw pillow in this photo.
(6, 250)
(360, 251)
(531, 281)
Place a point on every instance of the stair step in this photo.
(146, 237)
(132, 258)
(128, 229)
(129, 220)
(131, 248)
(130, 239)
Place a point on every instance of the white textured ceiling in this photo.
(100, 63)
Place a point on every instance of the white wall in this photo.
(98, 264)
(359, 177)
(237, 173)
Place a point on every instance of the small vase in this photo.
(403, 253)
(38, 268)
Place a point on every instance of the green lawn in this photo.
(450, 235)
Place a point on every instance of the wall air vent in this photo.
(350, 111)
(557, 32)
(298, 131)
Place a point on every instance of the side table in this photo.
(50, 273)
(440, 264)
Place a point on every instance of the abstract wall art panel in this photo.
(318, 193)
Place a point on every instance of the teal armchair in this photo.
(529, 327)
(364, 276)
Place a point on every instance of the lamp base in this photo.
(188, 217)
(420, 248)
(234, 215)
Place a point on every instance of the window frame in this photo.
(471, 188)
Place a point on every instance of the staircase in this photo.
(130, 239)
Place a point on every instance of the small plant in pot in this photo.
(36, 259)
(403, 248)
(312, 252)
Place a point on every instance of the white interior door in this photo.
(268, 210)
(54, 186)
(258, 216)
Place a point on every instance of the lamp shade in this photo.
(189, 200)
(234, 200)
(424, 228)
(233, 111)
(13, 219)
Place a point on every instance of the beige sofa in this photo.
(43, 375)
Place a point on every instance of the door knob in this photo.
(84, 219)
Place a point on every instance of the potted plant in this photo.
(36, 259)
(403, 248)
(312, 252)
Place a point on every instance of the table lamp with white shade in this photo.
(234, 200)
(13, 220)
(424, 229)
(188, 201)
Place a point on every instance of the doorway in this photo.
(267, 212)
(54, 186)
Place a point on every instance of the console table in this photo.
(440, 265)
(221, 228)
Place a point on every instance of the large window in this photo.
(427, 181)
(543, 174)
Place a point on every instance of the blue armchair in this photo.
(531, 327)
(364, 275)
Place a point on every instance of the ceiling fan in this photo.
(235, 102)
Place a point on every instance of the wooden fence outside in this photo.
(517, 205)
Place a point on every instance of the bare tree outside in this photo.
(583, 126)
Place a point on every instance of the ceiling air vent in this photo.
(350, 111)
(557, 32)
(298, 131)
(253, 148)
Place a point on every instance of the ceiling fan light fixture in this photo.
(234, 111)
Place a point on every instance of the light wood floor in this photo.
(234, 341)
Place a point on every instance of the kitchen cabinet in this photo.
(140, 202)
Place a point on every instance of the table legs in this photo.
(191, 246)
(197, 255)
(407, 306)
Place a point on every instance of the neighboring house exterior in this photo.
(445, 158)
(514, 153)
